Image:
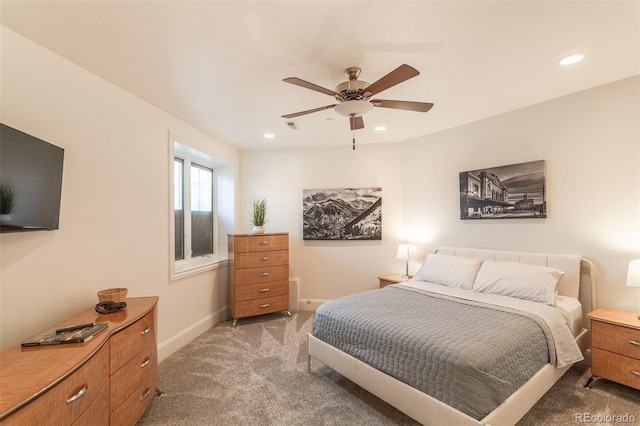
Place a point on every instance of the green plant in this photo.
(7, 198)
(258, 211)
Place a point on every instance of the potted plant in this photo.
(258, 214)
(7, 200)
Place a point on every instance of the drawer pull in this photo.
(634, 372)
(145, 395)
(145, 363)
(264, 258)
(264, 305)
(264, 274)
(263, 290)
(264, 243)
(78, 395)
(634, 342)
(145, 331)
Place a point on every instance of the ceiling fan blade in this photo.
(299, 82)
(406, 105)
(356, 122)
(402, 73)
(309, 111)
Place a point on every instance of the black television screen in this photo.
(30, 182)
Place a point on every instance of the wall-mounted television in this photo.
(30, 182)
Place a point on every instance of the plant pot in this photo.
(5, 218)
(257, 230)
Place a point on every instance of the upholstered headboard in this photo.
(570, 264)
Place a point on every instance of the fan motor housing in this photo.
(352, 90)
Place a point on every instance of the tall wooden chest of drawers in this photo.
(258, 274)
(615, 346)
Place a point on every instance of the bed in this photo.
(476, 338)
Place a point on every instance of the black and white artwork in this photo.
(342, 214)
(513, 191)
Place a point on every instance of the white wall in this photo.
(328, 269)
(114, 221)
(591, 144)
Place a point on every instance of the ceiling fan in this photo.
(354, 96)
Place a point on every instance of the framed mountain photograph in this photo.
(505, 192)
(342, 214)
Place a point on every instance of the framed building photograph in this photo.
(513, 191)
(342, 214)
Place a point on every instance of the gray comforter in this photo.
(468, 354)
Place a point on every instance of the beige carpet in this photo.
(255, 374)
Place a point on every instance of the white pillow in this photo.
(452, 271)
(530, 282)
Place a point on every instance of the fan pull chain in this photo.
(354, 141)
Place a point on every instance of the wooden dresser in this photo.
(615, 346)
(258, 274)
(108, 380)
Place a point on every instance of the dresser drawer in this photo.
(251, 243)
(133, 408)
(129, 377)
(98, 412)
(128, 342)
(65, 402)
(262, 275)
(262, 290)
(248, 308)
(614, 338)
(621, 369)
(261, 259)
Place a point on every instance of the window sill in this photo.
(186, 270)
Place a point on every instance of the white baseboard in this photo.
(185, 336)
(310, 304)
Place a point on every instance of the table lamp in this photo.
(406, 252)
(633, 275)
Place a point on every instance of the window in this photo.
(201, 208)
(201, 211)
(178, 207)
(193, 209)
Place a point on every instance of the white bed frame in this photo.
(578, 281)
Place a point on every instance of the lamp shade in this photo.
(633, 274)
(406, 251)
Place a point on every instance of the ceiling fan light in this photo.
(355, 107)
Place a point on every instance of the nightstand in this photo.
(392, 279)
(615, 346)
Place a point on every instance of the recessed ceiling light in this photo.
(571, 59)
(269, 135)
(380, 128)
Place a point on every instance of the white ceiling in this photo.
(219, 65)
